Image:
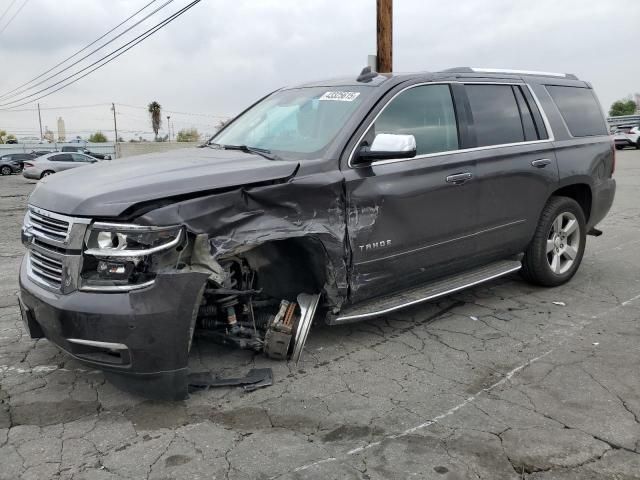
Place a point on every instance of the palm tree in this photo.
(156, 116)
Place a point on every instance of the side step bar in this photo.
(439, 288)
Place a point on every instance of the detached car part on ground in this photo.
(339, 201)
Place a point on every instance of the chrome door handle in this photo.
(459, 178)
(541, 163)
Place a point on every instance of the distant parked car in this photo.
(627, 136)
(99, 156)
(9, 165)
(15, 158)
(51, 163)
(12, 141)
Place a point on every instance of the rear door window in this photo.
(579, 109)
(496, 116)
(427, 113)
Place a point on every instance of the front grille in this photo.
(45, 268)
(49, 227)
(54, 242)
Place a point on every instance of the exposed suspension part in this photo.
(235, 313)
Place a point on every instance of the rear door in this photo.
(409, 220)
(516, 166)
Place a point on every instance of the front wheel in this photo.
(5, 170)
(555, 253)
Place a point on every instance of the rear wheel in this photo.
(555, 253)
(46, 173)
(5, 170)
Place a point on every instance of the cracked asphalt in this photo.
(497, 382)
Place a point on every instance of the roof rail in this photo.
(569, 76)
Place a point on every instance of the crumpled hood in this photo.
(107, 188)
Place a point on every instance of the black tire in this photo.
(47, 173)
(536, 264)
(5, 170)
(619, 147)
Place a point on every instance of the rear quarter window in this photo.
(579, 109)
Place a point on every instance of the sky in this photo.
(222, 55)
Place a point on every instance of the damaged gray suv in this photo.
(337, 200)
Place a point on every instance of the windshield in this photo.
(294, 124)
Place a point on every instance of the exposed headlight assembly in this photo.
(121, 257)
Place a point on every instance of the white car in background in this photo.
(627, 136)
(51, 163)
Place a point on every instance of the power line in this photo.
(14, 16)
(134, 42)
(11, 93)
(7, 10)
(66, 107)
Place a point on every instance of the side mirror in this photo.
(387, 146)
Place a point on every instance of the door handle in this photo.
(459, 178)
(541, 163)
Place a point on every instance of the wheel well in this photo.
(581, 193)
(286, 268)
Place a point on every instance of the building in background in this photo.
(61, 130)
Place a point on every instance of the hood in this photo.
(107, 188)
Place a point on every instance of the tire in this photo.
(619, 147)
(638, 144)
(5, 170)
(551, 259)
(46, 173)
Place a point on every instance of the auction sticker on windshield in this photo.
(340, 96)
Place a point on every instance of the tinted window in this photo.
(427, 113)
(78, 157)
(495, 114)
(63, 157)
(579, 109)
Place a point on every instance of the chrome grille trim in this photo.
(47, 226)
(41, 270)
(50, 239)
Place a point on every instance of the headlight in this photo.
(126, 257)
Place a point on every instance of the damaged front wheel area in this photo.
(239, 314)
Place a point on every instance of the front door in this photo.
(410, 220)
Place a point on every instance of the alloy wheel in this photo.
(563, 242)
(6, 171)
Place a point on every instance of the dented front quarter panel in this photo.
(311, 204)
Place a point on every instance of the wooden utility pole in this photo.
(385, 35)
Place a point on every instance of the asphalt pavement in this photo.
(503, 381)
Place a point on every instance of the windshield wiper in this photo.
(263, 152)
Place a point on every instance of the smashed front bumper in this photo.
(140, 339)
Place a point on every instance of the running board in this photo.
(439, 288)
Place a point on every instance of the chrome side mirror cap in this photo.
(387, 146)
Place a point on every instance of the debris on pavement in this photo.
(256, 378)
(561, 304)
